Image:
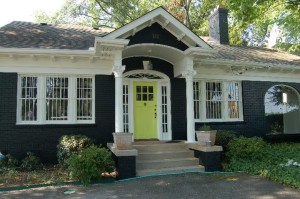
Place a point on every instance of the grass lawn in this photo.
(49, 174)
(278, 162)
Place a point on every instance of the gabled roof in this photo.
(167, 21)
(46, 36)
(251, 54)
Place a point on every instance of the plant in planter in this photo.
(123, 140)
(206, 136)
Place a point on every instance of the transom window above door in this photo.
(144, 93)
(217, 101)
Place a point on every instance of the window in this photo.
(282, 112)
(57, 98)
(84, 98)
(217, 101)
(49, 99)
(28, 98)
(125, 108)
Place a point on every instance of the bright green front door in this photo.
(145, 110)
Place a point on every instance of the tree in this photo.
(250, 21)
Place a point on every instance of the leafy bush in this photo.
(223, 137)
(246, 148)
(89, 163)
(8, 163)
(31, 162)
(71, 144)
(275, 165)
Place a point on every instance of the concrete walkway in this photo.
(188, 186)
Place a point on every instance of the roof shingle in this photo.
(30, 35)
(252, 54)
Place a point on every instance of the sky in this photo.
(24, 10)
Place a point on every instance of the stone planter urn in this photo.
(123, 141)
(206, 136)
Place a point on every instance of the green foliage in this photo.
(205, 128)
(89, 163)
(223, 137)
(71, 144)
(9, 163)
(273, 165)
(246, 148)
(31, 162)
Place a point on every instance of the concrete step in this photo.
(160, 147)
(166, 163)
(164, 155)
(169, 170)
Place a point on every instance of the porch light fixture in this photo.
(284, 98)
(147, 65)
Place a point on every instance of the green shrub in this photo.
(71, 144)
(246, 148)
(8, 163)
(223, 137)
(31, 162)
(277, 164)
(89, 163)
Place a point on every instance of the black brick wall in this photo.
(254, 123)
(42, 139)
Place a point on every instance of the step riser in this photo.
(169, 170)
(155, 156)
(160, 147)
(168, 164)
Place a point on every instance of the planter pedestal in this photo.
(209, 157)
(125, 161)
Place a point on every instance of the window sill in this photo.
(218, 121)
(52, 124)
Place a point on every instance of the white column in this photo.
(190, 105)
(118, 72)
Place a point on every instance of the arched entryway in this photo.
(282, 110)
(147, 104)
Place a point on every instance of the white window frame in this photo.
(202, 102)
(41, 100)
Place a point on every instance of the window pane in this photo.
(213, 100)
(28, 98)
(233, 99)
(197, 100)
(57, 98)
(84, 98)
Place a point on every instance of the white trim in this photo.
(160, 16)
(164, 81)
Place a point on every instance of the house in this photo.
(153, 77)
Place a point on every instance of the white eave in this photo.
(101, 45)
(167, 21)
(248, 64)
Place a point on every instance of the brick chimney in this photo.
(218, 25)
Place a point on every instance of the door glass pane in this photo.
(150, 97)
(150, 89)
(144, 97)
(138, 89)
(145, 89)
